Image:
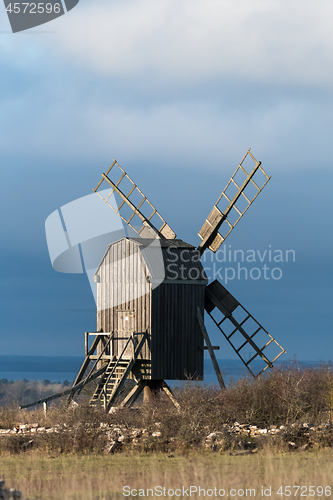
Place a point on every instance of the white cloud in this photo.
(188, 133)
(176, 41)
(147, 79)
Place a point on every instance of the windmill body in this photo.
(153, 286)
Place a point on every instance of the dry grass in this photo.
(97, 478)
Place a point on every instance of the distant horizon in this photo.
(288, 360)
(65, 368)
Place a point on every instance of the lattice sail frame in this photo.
(159, 227)
(217, 296)
(217, 220)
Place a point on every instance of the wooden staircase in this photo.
(110, 380)
(115, 375)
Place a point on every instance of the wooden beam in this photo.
(210, 349)
(169, 393)
(132, 206)
(67, 391)
(134, 394)
(86, 364)
(100, 182)
(87, 359)
(86, 343)
(205, 348)
(141, 385)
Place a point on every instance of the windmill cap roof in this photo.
(172, 260)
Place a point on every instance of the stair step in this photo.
(112, 379)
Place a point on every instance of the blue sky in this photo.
(176, 91)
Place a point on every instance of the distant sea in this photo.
(52, 368)
(65, 368)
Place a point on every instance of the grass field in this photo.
(97, 477)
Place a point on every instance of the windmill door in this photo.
(126, 326)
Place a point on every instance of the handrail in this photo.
(101, 354)
(130, 364)
(98, 359)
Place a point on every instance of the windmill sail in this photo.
(240, 192)
(134, 208)
(241, 330)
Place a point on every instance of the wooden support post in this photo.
(169, 393)
(152, 390)
(104, 398)
(134, 394)
(150, 387)
(45, 407)
(148, 396)
(210, 350)
(86, 343)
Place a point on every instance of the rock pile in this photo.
(244, 437)
(296, 436)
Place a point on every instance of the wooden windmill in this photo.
(152, 292)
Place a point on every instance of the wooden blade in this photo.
(241, 330)
(134, 208)
(235, 200)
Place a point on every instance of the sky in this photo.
(176, 91)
